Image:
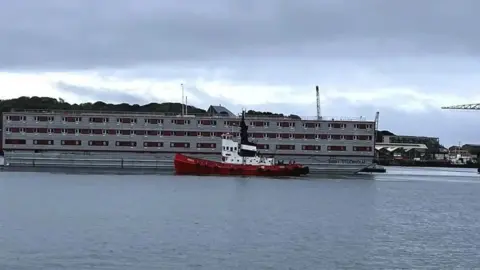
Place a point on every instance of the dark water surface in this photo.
(408, 218)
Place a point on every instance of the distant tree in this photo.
(386, 133)
(47, 103)
(380, 133)
(270, 114)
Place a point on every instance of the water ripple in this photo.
(407, 218)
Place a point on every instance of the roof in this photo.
(471, 145)
(412, 136)
(394, 146)
(220, 110)
(472, 148)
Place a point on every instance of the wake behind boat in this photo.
(237, 159)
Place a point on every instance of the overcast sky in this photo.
(403, 58)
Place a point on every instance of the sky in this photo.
(403, 58)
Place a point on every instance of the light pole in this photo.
(183, 94)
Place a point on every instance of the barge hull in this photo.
(160, 162)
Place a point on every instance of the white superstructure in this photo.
(231, 153)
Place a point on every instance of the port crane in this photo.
(471, 107)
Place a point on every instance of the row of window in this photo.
(184, 145)
(204, 122)
(107, 143)
(128, 132)
(340, 148)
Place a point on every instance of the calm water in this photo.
(408, 218)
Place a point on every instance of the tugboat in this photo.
(241, 159)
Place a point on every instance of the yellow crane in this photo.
(471, 107)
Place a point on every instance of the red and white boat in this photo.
(237, 159)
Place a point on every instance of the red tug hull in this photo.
(185, 165)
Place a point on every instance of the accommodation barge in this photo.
(150, 140)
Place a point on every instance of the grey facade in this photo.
(41, 136)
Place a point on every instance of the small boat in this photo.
(374, 169)
(238, 159)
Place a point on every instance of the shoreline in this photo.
(431, 165)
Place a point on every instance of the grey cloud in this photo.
(433, 75)
(117, 96)
(79, 34)
(106, 95)
(204, 99)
